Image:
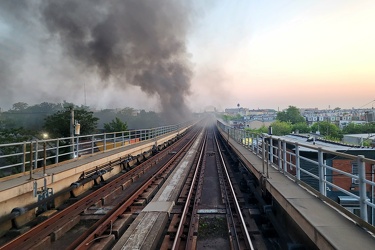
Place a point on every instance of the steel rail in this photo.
(237, 206)
(228, 197)
(88, 238)
(177, 240)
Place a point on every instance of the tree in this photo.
(291, 115)
(20, 106)
(115, 125)
(29, 117)
(127, 111)
(262, 129)
(226, 118)
(281, 128)
(58, 124)
(353, 128)
(145, 120)
(301, 127)
(328, 130)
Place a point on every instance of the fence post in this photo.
(36, 154)
(92, 145)
(24, 157)
(57, 151)
(279, 149)
(31, 160)
(298, 167)
(77, 139)
(362, 186)
(44, 157)
(270, 150)
(284, 157)
(263, 153)
(321, 170)
(268, 157)
(105, 142)
(253, 142)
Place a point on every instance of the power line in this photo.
(367, 103)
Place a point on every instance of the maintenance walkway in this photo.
(323, 224)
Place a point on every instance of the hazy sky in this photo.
(260, 54)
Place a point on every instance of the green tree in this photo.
(226, 118)
(127, 111)
(18, 106)
(353, 128)
(29, 117)
(145, 120)
(302, 127)
(291, 115)
(328, 130)
(262, 129)
(58, 124)
(281, 128)
(115, 125)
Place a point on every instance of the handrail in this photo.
(335, 175)
(20, 157)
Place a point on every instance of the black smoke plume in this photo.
(136, 42)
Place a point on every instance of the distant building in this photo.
(358, 139)
(370, 116)
(255, 124)
(337, 115)
(235, 111)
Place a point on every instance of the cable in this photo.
(103, 236)
(367, 103)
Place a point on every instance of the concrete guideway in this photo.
(324, 225)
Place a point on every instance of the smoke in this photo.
(142, 43)
(48, 48)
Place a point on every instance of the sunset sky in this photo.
(259, 54)
(271, 54)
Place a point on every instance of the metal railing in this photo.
(325, 171)
(23, 156)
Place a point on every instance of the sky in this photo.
(259, 54)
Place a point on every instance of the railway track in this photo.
(211, 216)
(117, 196)
(187, 196)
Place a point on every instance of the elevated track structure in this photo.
(199, 185)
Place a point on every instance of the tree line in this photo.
(290, 120)
(24, 122)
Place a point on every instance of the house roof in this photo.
(327, 145)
